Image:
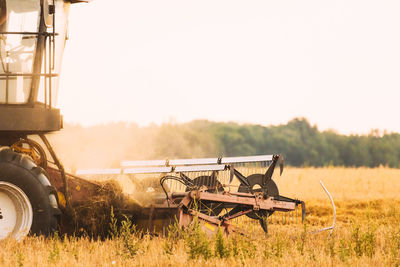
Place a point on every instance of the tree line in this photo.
(301, 143)
(298, 141)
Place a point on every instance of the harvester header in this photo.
(216, 190)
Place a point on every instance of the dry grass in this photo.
(367, 232)
(344, 183)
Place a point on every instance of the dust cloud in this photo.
(105, 146)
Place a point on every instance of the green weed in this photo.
(363, 243)
(197, 241)
(54, 255)
(113, 226)
(126, 233)
(303, 237)
(20, 259)
(174, 234)
(221, 248)
(344, 250)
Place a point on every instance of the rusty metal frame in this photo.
(181, 202)
(257, 202)
(60, 167)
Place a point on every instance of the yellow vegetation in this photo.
(367, 232)
(345, 184)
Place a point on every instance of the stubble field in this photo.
(367, 232)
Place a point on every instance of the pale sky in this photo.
(337, 63)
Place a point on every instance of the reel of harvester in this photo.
(261, 186)
(210, 184)
(217, 192)
(202, 188)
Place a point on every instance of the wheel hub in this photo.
(268, 190)
(16, 213)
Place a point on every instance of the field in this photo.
(367, 232)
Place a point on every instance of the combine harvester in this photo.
(38, 197)
(214, 190)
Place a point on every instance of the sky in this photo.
(336, 63)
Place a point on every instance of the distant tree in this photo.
(301, 143)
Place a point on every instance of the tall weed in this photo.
(126, 233)
(197, 242)
(221, 248)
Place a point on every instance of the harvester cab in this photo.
(38, 197)
(32, 40)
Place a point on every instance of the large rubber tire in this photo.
(21, 171)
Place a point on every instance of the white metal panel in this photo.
(200, 168)
(143, 163)
(201, 161)
(148, 170)
(228, 160)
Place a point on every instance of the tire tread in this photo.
(8, 156)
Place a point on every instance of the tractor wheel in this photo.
(28, 202)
